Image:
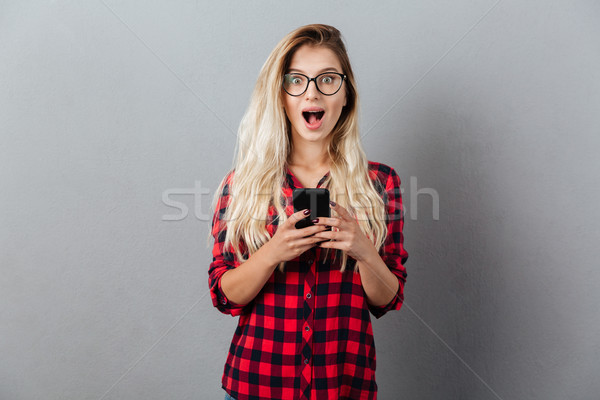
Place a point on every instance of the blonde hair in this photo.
(264, 145)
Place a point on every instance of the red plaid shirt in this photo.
(307, 334)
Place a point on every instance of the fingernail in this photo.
(332, 203)
(314, 221)
(306, 212)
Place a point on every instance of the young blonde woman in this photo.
(304, 296)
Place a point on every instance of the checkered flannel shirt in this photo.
(307, 334)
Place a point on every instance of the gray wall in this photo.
(106, 107)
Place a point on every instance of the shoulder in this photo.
(227, 180)
(229, 176)
(381, 172)
(224, 189)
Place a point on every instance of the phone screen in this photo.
(315, 199)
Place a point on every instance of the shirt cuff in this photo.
(394, 304)
(223, 304)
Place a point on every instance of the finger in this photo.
(329, 221)
(310, 230)
(342, 212)
(309, 241)
(297, 216)
(327, 235)
(330, 244)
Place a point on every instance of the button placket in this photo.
(308, 323)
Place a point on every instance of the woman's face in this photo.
(312, 61)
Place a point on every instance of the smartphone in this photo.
(315, 199)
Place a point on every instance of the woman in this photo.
(304, 295)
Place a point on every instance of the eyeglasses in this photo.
(328, 83)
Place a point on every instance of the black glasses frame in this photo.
(308, 80)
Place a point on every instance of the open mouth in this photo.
(313, 116)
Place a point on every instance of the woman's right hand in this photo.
(289, 242)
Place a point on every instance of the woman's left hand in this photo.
(346, 234)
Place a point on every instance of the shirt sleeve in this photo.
(223, 260)
(392, 252)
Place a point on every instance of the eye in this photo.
(327, 79)
(295, 79)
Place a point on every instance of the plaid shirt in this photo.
(307, 334)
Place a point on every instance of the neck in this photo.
(309, 155)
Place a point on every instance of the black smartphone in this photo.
(315, 199)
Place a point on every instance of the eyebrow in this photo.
(321, 71)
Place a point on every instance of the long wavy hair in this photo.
(264, 145)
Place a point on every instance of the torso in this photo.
(282, 307)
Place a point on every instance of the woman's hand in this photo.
(288, 242)
(346, 234)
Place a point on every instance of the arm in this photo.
(242, 284)
(387, 293)
(379, 283)
(382, 274)
(233, 285)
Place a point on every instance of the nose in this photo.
(311, 90)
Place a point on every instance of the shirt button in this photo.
(310, 261)
(306, 361)
(224, 301)
(308, 295)
(307, 328)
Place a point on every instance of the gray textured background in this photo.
(106, 107)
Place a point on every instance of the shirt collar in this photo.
(295, 183)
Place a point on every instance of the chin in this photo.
(313, 136)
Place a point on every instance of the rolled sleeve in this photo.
(220, 301)
(223, 260)
(393, 252)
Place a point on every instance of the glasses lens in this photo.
(329, 83)
(294, 84)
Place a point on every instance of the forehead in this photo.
(313, 59)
